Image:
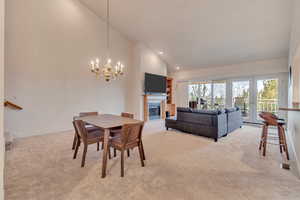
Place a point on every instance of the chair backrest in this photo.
(84, 114)
(80, 129)
(269, 118)
(128, 115)
(132, 133)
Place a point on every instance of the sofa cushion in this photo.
(209, 112)
(197, 118)
(229, 110)
(181, 109)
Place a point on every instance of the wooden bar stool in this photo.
(272, 120)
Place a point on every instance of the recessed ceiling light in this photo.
(178, 68)
(160, 53)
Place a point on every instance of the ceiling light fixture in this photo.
(105, 68)
(160, 53)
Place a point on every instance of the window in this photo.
(208, 94)
(267, 96)
(241, 96)
(252, 95)
(219, 93)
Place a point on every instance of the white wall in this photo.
(293, 135)
(144, 60)
(180, 94)
(1, 97)
(295, 96)
(48, 46)
(237, 70)
(294, 90)
(295, 49)
(295, 30)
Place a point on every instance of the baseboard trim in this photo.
(2, 193)
(294, 154)
(40, 133)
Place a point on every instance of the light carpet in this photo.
(179, 167)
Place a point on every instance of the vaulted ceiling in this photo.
(204, 33)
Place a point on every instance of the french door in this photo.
(251, 94)
(241, 97)
(255, 95)
(267, 96)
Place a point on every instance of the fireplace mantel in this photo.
(154, 98)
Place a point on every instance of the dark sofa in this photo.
(209, 123)
(234, 119)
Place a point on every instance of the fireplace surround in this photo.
(154, 107)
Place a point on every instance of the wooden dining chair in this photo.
(128, 115)
(87, 138)
(130, 137)
(89, 128)
(117, 132)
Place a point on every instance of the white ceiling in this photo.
(203, 33)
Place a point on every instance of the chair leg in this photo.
(122, 163)
(141, 155)
(84, 155)
(98, 146)
(285, 147)
(76, 148)
(115, 152)
(102, 147)
(280, 139)
(265, 140)
(144, 157)
(109, 153)
(128, 152)
(74, 141)
(262, 136)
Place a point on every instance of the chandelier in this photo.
(105, 67)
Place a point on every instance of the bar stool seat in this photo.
(272, 120)
(281, 123)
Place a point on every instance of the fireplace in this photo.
(154, 110)
(154, 107)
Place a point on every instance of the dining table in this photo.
(107, 122)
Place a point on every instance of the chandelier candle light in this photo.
(106, 68)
